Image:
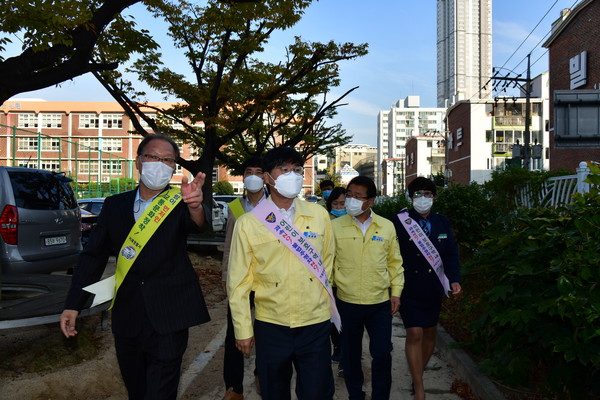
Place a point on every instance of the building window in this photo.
(50, 144)
(31, 143)
(143, 122)
(111, 167)
(111, 144)
(88, 167)
(27, 143)
(51, 165)
(499, 136)
(29, 120)
(112, 121)
(51, 120)
(88, 121)
(86, 144)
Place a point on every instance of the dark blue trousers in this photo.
(233, 360)
(306, 349)
(376, 318)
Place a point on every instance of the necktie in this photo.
(425, 225)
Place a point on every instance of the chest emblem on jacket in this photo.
(128, 252)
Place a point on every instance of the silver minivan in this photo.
(40, 227)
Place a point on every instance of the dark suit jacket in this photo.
(161, 284)
(419, 279)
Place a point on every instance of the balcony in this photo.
(502, 148)
(514, 120)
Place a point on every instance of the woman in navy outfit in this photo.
(422, 295)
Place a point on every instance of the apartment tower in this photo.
(464, 50)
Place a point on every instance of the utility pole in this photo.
(527, 158)
(527, 89)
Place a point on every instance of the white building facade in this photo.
(464, 50)
(405, 119)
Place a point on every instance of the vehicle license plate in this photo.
(51, 241)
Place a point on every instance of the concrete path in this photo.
(202, 377)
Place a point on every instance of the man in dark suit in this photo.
(159, 297)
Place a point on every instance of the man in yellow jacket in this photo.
(292, 306)
(369, 277)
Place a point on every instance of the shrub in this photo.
(387, 207)
(542, 313)
(470, 212)
(222, 187)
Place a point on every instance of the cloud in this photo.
(508, 35)
(358, 106)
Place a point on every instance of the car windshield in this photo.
(44, 191)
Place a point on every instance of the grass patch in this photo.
(52, 351)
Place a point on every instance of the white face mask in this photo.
(354, 206)
(156, 175)
(422, 204)
(289, 185)
(253, 183)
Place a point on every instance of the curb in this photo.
(466, 368)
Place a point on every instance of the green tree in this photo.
(223, 187)
(235, 104)
(59, 40)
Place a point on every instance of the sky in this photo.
(402, 52)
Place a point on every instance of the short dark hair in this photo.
(252, 162)
(365, 181)
(421, 183)
(335, 194)
(279, 156)
(326, 182)
(148, 138)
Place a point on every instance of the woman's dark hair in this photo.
(365, 181)
(148, 138)
(279, 156)
(335, 194)
(421, 183)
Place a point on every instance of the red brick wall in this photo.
(411, 169)
(458, 157)
(582, 33)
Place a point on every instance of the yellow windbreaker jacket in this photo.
(367, 269)
(286, 292)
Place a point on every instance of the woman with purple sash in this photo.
(431, 266)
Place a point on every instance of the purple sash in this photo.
(270, 216)
(425, 247)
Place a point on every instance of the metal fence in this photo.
(556, 190)
(94, 171)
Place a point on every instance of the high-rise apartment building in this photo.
(404, 120)
(464, 50)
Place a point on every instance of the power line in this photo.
(530, 33)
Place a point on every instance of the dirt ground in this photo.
(38, 363)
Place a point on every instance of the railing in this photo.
(557, 190)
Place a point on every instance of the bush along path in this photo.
(531, 310)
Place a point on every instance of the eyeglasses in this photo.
(355, 196)
(153, 158)
(423, 194)
(286, 169)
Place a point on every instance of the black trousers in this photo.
(150, 363)
(233, 360)
(377, 320)
(306, 349)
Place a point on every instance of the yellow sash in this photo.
(142, 231)
(236, 208)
